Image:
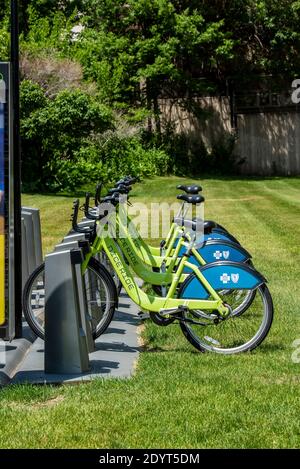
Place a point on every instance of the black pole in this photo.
(14, 56)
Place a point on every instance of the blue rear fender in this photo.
(222, 250)
(222, 275)
(218, 250)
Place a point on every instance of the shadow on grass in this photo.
(170, 350)
(274, 347)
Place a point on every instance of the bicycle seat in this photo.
(209, 225)
(191, 190)
(121, 189)
(191, 199)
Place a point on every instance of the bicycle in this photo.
(198, 303)
(131, 247)
(203, 284)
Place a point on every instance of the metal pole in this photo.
(14, 56)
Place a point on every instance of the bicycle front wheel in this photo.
(101, 298)
(238, 333)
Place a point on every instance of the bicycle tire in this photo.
(250, 345)
(100, 327)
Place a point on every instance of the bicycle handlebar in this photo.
(97, 197)
(74, 219)
(127, 181)
(121, 189)
(87, 213)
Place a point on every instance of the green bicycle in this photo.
(195, 302)
(157, 271)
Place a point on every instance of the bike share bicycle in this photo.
(33, 292)
(194, 300)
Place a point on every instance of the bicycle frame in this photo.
(131, 248)
(147, 252)
(142, 299)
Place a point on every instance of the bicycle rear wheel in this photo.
(101, 298)
(238, 333)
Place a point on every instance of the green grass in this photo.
(178, 397)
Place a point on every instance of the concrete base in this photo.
(115, 355)
(13, 353)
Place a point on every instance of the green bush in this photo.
(71, 140)
(53, 130)
(4, 44)
(108, 159)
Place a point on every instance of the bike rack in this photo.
(73, 237)
(32, 254)
(68, 331)
(36, 233)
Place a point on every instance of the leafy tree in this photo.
(139, 49)
(55, 129)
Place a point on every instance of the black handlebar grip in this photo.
(75, 214)
(98, 194)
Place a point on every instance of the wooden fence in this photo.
(268, 142)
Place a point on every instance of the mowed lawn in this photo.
(179, 397)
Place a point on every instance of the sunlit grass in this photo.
(179, 397)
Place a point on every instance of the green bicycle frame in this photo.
(149, 302)
(147, 252)
(130, 248)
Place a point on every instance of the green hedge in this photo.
(72, 140)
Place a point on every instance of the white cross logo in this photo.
(225, 278)
(217, 255)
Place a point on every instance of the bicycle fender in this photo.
(215, 250)
(219, 235)
(222, 275)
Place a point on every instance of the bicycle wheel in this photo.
(238, 333)
(101, 298)
(239, 300)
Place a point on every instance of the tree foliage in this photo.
(129, 54)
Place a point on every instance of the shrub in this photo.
(4, 44)
(71, 140)
(188, 155)
(107, 159)
(53, 74)
(54, 130)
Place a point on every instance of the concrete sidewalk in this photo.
(115, 354)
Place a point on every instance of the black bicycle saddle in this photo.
(191, 190)
(209, 225)
(191, 199)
